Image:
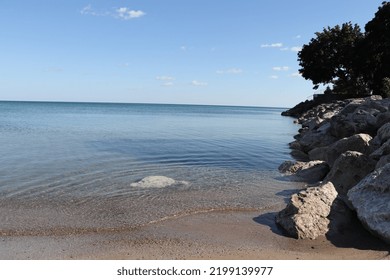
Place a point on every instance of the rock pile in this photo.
(344, 145)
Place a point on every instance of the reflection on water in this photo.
(72, 165)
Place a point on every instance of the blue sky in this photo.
(227, 52)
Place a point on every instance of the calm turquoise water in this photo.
(71, 165)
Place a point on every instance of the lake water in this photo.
(68, 167)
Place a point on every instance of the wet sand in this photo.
(212, 235)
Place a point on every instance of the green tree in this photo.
(374, 51)
(329, 57)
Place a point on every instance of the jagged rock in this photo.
(318, 154)
(312, 123)
(358, 143)
(351, 107)
(343, 133)
(382, 151)
(383, 161)
(382, 119)
(324, 127)
(314, 139)
(295, 145)
(310, 172)
(348, 170)
(371, 200)
(364, 120)
(306, 215)
(340, 127)
(383, 133)
(299, 155)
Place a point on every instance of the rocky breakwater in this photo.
(343, 150)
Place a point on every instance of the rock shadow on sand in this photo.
(352, 234)
(346, 235)
(268, 219)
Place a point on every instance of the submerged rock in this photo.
(306, 215)
(156, 182)
(371, 200)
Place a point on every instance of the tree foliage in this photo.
(374, 50)
(352, 61)
(328, 57)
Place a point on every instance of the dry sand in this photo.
(211, 235)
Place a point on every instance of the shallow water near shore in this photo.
(73, 167)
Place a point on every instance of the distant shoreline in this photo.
(141, 103)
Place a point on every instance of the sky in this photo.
(216, 52)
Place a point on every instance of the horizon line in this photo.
(142, 103)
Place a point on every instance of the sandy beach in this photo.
(211, 235)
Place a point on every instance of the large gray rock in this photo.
(319, 154)
(382, 119)
(351, 107)
(371, 200)
(306, 215)
(299, 155)
(358, 143)
(383, 133)
(314, 139)
(348, 170)
(341, 127)
(310, 172)
(383, 161)
(365, 118)
(382, 151)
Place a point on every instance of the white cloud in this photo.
(280, 68)
(298, 37)
(165, 78)
(127, 14)
(274, 77)
(295, 75)
(198, 83)
(273, 45)
(285, 49)
(86, 10)
(121, 13)
(296, 49)
(230, 71)
(183, 48)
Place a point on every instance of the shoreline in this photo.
(238, 233)
(214, 235)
